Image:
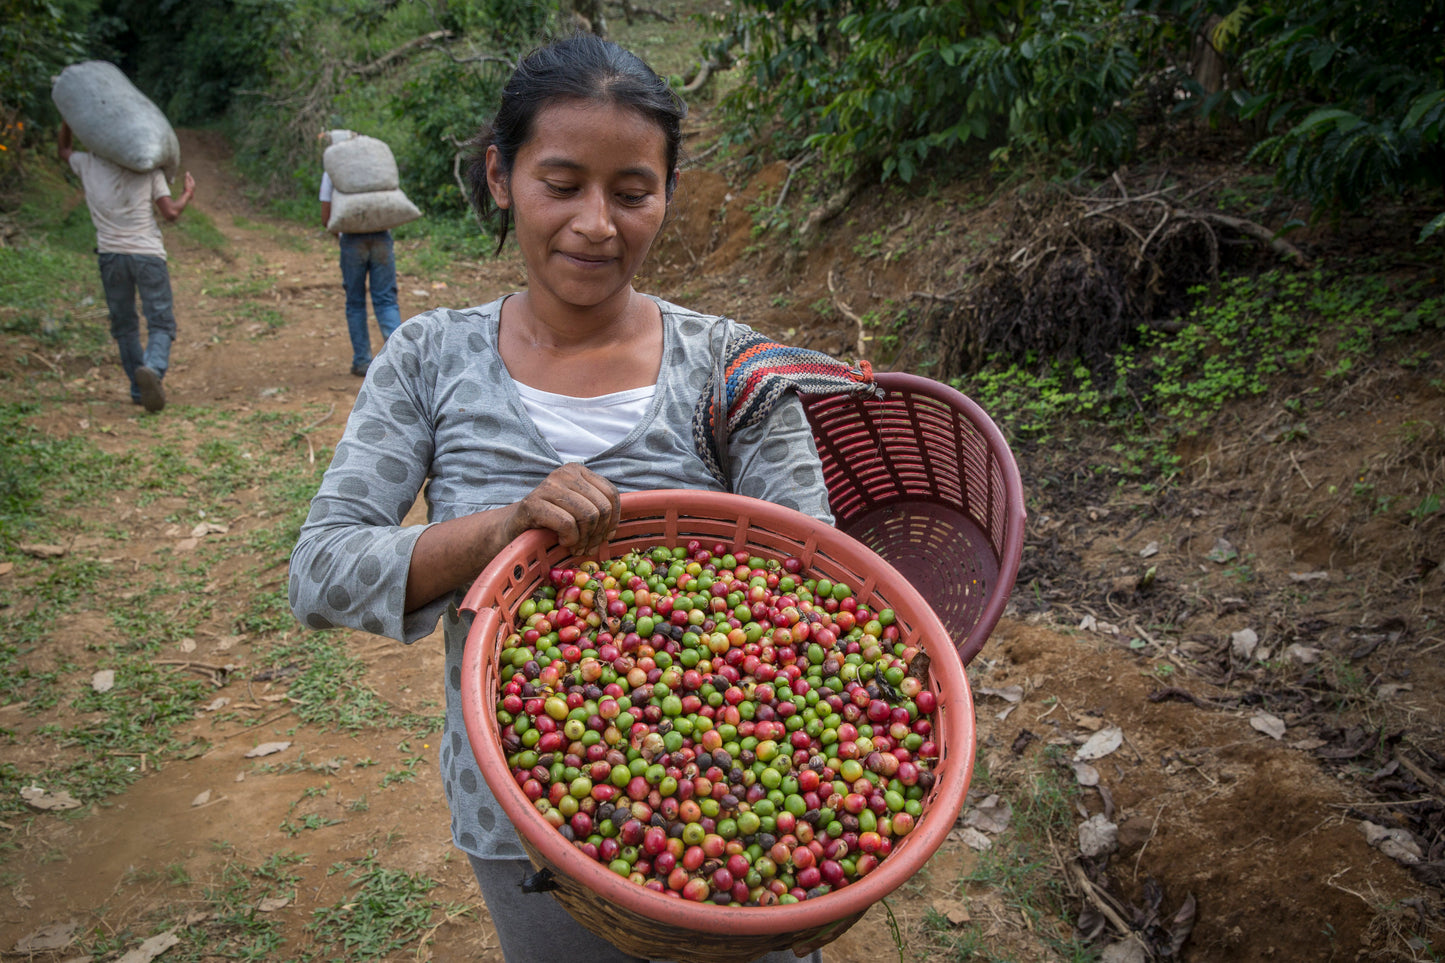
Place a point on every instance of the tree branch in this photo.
(387, 59)
(1278, 244)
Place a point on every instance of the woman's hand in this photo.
(581, 506)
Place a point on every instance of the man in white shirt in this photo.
(123, 206)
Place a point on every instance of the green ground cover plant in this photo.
(1244, 337)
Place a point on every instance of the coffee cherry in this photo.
(725, 730)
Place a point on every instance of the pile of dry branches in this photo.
(1076, 274)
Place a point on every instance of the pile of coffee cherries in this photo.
(716, 728)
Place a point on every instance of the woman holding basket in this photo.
(532, 411)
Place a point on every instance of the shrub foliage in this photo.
(1346, 101)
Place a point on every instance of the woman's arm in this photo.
(357, 564)
(579, 505)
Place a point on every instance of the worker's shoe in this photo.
(152, 395)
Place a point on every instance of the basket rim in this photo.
(954, 721)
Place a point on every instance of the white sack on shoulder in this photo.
(372, 211)
(114, 120)
(361, 165)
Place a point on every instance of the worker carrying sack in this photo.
(366, 193)
(115, 120)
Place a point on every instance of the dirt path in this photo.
(1212, 812)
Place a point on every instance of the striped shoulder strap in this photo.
(750, 374)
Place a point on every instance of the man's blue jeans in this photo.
(122, 276)
(370, 256)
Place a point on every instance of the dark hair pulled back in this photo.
(582, 67)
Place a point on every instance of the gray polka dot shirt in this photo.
(439, 409)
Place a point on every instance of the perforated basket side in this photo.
(925, 478)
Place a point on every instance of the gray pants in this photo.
(124, 276)
(534, 928)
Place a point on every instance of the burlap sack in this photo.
(370, 211)
(114, 120)
(360, 165)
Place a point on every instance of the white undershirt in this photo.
(579, 428)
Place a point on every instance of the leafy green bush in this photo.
(192, 56)
(875, 83)
(36, 41)
(445, 103)
(1350, 96)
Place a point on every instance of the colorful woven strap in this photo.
(756, 373)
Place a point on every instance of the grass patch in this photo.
(223, 921)
(100, 754)
(197, 227)
(43, 475)
(53, 297)
(327, 688)
(384, 911)
(1021, 868)
(287, 236)
(269, 318)
(49, 485)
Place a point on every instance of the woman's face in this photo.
(587, 194)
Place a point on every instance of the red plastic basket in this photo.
(924, 478)
(649, 924)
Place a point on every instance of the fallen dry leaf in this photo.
(1090, 624)
(202, 798)
(1125, 951)
(1222, 552)
(40, 798)
(991, 816)
(1091, 722)
(1100, 744)
(1303, 654)
(51, 936)
(42, 551)
(1086, 774)
(209, 528)
(1395, 843)
(1309, 576)
(151, 948)
(1098, 836)
(267, 748)
(272, 903)
(187, 544)
(1011, 693)
(974, 839)
(952, 910)
(6, 568)
(103, 681)
(1242, 643)
(1271, 725)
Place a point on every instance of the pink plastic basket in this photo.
(925, 478)
(649, 924)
